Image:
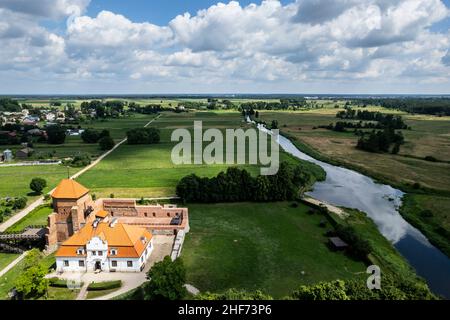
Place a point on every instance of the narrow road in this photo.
(13, 264)
(20, 215)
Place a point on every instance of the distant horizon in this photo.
(91, 47)
(225, 95)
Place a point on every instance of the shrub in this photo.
(20, 203)
(430, 158)
(426, 213)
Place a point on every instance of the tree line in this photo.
(384, 120)
(236, 185)
(439, 106)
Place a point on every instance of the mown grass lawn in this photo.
(6, 259)
(268, 246)
(37, 217)
(8, 280)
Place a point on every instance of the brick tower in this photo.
(72, 205)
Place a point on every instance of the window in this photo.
(81, 263)
(146, 214)
(154, 214)
(94, 253)
(129, 264)
(100, 253)
(80, 251)
(113, 252)
(114, 263)
(66, 263)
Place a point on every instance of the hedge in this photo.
(107, 285)
(59, 283)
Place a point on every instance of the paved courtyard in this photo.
(130, 280)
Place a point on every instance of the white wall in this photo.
(106, 262)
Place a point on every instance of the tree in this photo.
(106, 143)
(143, 136)
(38, 184)
(167, 279)
(32, 282)
(274, 124)
(90, 136)
(56, 134)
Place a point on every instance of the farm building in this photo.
(24, 153)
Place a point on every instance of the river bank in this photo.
(348, 188)
(408, 210)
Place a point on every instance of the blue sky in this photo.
(296, 46)
(158, 11)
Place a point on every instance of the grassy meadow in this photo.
(268, 246)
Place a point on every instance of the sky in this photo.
(206, 46)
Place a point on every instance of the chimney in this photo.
(113, 223)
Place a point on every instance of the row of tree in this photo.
(236, 185)
(384, 120)
(435, 106)
(143, 136)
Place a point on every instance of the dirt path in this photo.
(336, 210)
(13, 264)
(20, 215)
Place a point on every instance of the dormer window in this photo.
(80, 251)
(113, 252)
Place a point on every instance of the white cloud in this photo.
(226, 47)
(46, 8)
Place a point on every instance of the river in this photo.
(348, 188)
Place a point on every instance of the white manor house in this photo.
(105, 246)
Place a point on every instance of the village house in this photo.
(80, 226)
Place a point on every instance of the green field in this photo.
(6, 259)
(147, 170)
(268, 246)
(15, 181)
(37, 217)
